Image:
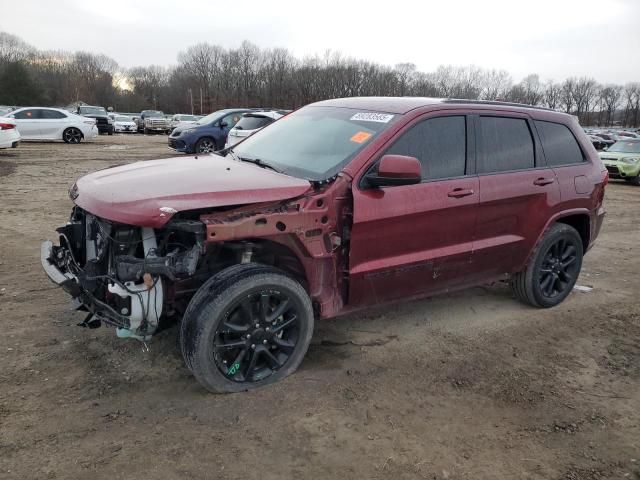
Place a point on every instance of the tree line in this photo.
(208, 77)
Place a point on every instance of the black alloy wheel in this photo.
(257, 336)
(248, 326)
(559, 268)
(553, 268)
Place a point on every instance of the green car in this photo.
(622, 160)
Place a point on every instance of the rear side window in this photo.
(253, 122)
(49, 114)
(29, 114)
(439, 143)
(559, 145)
(505, 144)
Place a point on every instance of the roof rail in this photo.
(497, 103)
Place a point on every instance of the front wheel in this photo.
(72, 135)
(634, 180)
(248, 326)
(205, 145)
(553, 270)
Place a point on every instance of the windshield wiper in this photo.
(255, 161)
(260, 163)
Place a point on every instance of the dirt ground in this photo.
(468, 386)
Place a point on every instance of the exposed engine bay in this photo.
(116, 271)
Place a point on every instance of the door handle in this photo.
(541, 182)
(460, 192)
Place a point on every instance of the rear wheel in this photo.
(553, 270)
(205, 145)
(72, 135)
(247, 326)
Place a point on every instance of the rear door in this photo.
(28, 123)
(52, 123)
(413, 240)
(517, 193)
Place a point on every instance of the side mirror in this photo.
(394, 170)
(223, 124)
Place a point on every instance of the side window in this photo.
(504, 144)
(29, 114)
(232, 119)
(51, 114)
(559, 144)
(439, 143)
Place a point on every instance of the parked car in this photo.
(9, 134)
(153, 121)
(103, 122)
(622, 160)
(626, 134)
(608, 139)
(207, 134)
(250, 123)
(182, 120)
(39, 123)
(346, 204)
(598, 143)
(122, 124)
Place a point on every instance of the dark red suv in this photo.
(339, 206)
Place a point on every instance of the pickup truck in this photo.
(103, 121)
(153, 121)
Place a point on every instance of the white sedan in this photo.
(9, 135)
(38, 123)
(122, 123)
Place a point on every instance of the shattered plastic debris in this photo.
(582, 288)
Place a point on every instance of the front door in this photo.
(416, 239)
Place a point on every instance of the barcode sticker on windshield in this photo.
(372, 117)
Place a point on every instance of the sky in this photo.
(554, 38)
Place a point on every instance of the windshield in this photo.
(315, 142)
(150, 114)
(211, 117)
(186, 118)
(252, 122)
(625, 147)
(93, 111)
(123, 119)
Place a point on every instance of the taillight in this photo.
(7, 126)
(605, 180)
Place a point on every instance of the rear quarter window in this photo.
(559, 145)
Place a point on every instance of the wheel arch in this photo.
(582, 223)
(578, 218)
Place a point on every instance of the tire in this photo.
(72, 135)
(110, 132)
(223, 347)
(553, 269)
(634, 180)
(205, 145)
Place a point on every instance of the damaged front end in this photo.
(119, 273)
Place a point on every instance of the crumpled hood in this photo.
(149, 193)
